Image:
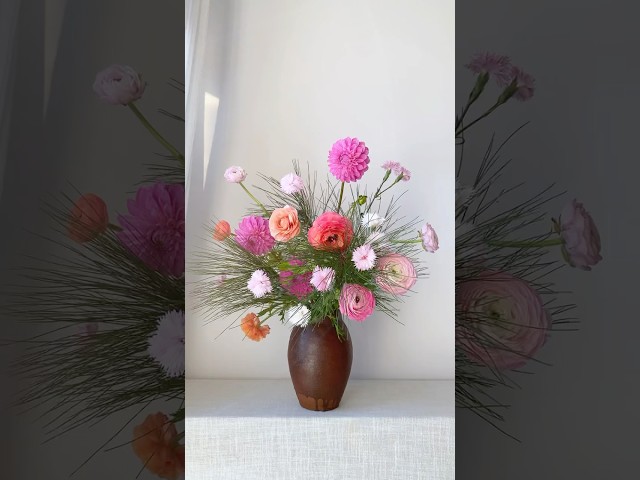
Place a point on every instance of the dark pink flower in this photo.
(298, 285)
(253, 235)
(154, 228)
(497, 66)
(524, 82)
(348, 159)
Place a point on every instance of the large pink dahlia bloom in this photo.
(348, 159)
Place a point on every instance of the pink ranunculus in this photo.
(348, 159)
(510, 323)
(235, 174)
(581, 238)
(356, 302)
(323, 278)
(429, 238)
(291, 183)
(497, 66)
(154, 228)
(253, 235)
(119, 85)
(89, 218)
(330, 231)
(297, 284)
(396, 274)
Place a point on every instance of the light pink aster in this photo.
(497, 66)
(391, 166)
(166, 345)
(154, 228)
(348, 159)
(254, 236)
(525, 83)
(322, 278)
(291, 183)
(364, 257)
(296, 284)
(259, 284)
(406, 174)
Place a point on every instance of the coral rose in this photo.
(356, 302)
(581, 247)
(397, 274)
(155, 442)
(502, 322)
(331, 231)
(251, 327)
(222, 230)
(284, 224)
(89, 218)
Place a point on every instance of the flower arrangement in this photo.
(506, 303)
(114, 301)
(304, 254)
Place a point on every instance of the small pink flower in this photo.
(322, 278)
(348, 159)
(296, 284)
(235, 174)
(397, 274)
(166, 345)
(406, 174)
(356, 302)
(525, 84)
(259, 284)
(391, 166)
(364, 257)
(291, 184)
(497, 66)
(119, 85)
(398, 170)
(429, 238)
(254, 236)
(581, 247)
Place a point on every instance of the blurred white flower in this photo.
(298, 315)
(372, 220)
(166, 345)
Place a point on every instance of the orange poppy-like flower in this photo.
(155, 442)
(251, 327)
(89, 218)
(222, 230)
(284, 224)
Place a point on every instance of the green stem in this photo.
(254, 199)
(340, 199)
(485, 114)
(550, 242)
(377, 194)
(114, 227)
(174, 152)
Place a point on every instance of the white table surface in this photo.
(383, 429)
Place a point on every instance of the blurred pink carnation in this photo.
(322, 278)
(364, 257)
(296, 284)
(497, 66)
(291, 183)
(525, 83)
(581, 246)
(166, 345)
(259, 284)
(254, 236)
(154, 228)
(119, 85)
(348, 159)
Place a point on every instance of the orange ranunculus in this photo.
(222, 230)
(88, 219)
(331, 231)
(155, 442)
(251, 327)
(284, 224)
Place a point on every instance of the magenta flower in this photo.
(119, 85)
(356, 302)
(429, 238)
(166, 345)
(259, 284)
(296, 284)
(348, 159)
(254, 236)
(364, 257)
(581, 239)
(524, 82)
(154, 228)
(322, 278)
(497, 66)
(291, 183)
(235, 174)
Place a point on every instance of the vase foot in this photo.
(317, 404)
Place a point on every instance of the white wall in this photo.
(296, 77)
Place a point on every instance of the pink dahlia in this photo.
(497, 66)
(524, 82)
(154, 228)
(356, 302)
(322, 278)
(253, 235)
(296, 284)
(348, 159)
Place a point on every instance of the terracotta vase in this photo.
(320, 364)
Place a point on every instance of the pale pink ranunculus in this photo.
(502, 321)
(235, 174)
(396, 274)
(581, 247)
(356, 302)
(429, 238)
(88, 219)
(330, 231)
(119, 85)
(284, 224)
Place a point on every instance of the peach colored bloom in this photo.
(222, 230)
(89, 218)
(284, 224)
(252, 329)
(397, 274)
(331, 231)
(155, 442)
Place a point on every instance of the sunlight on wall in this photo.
(211, 104)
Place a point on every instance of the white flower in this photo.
(298, 315)
(166, 345)
(364, 257)
(291, 183)
(372, 220)
(259, 284)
